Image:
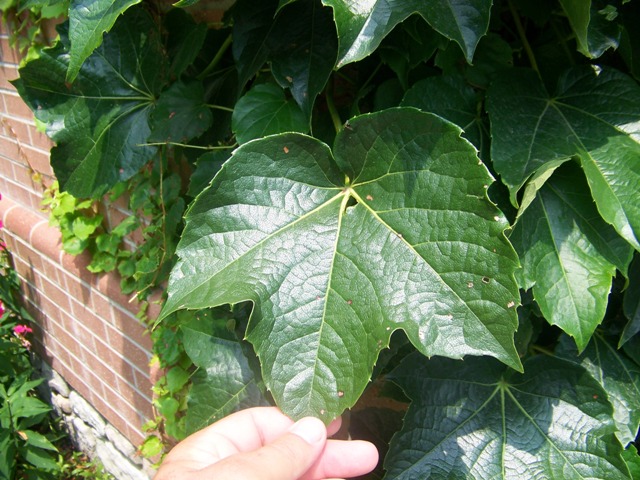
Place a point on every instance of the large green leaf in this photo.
(363, 25)
(265, 110)
(224, 381)
(334, 265)
(304, 47)
(618, 375)
(477, 419)
(594, 33)
(595, 116)
(631, 303)
(100, 122)
(88, 21)
(569, 254)
(632, 458)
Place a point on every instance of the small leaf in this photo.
(594, 116)
(619, 377)
(631, 303)
(569, 254)
(180, 114)
(185, 39)
(88, 21)
(224, 381)
(478, 419)
(632, 458)
(421, 250)
(594, 33)
(362, 26)
(303, 48)
(207, 166)
(264, 110)
(253, 22)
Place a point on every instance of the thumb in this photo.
(286, 458)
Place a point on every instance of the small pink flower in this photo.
(22, 329)
(2, 310)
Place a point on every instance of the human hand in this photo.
(263, 444)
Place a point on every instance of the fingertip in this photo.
(312, 430)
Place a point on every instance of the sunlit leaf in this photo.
(333, 265)
(478, 419)
(594, 115)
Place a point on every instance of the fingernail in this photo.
(310, 429)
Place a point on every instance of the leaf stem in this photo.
(219, 107)
(216, 59)
(200, 147)
(523, 38)
(331, 106)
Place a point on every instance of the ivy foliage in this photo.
(345, 226)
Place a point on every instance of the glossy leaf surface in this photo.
(478, 419)
(569, 254)
(594, 33)
(101, 122)
(422, 250)
(224, 381)
(88, 21)
(617, 374)
(594, 115)
(363, 25)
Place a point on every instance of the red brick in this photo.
(40, 139)
(7, 53)
(111, 415)
(103, 372)
(15, 129)
(17, 107)
(23, 175)
(143, 383)
(78, 290)
(132, 328)
(109, 285)
(102, 306)
(9, 148)
(58, 296)
(77, 265)
(38, 160)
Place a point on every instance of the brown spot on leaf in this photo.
(369, 197)
(285, 149)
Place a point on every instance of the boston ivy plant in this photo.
(428, 204)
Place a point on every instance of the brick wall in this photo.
(86, 329)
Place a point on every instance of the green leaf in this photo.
(594, 116)
(569, 254)
(38, 440)
(304, 48)
(477, 419)
(180, 113)
(594, 33)
(43, 460)
(88, 21)
(619, 377)
(177, 378)
(100, 121)
(362, 26)
(492, 56)
(422, 249)
(632, 458)
(207, 166)
(185, 39)
(224, 381)
(453, 99)
(264, 110)
(631, 303)
(252, 24)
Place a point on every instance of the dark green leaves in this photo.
(265, 110)
(363, 25)
(593, 116)
(88, 20)
(422, 250)
(100, 122)
(224, 381)
(593, 26)
(569, 254)
(478, 419)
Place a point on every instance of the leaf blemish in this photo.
(349, 302)
(486, 279)
(285, 149)
(510, 304)
(341, 394)
(470, 284)
(369, 197)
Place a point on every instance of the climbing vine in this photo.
(374, 193)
